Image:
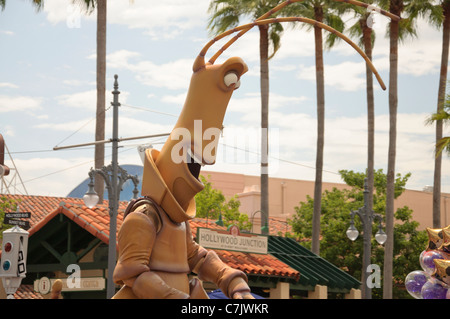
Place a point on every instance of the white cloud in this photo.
(7, 32)
(73, 82)
(59, 175)
(162, 19)
(174, 99)
(83, 126)
(415, 57)
(346, 76)
(296, 43)
(119, 59)
(19, 103)
(130, 127)
(87, 99)
(8, 130)
(250, 104)
(8, 85)
(346, 146)
(173, 75)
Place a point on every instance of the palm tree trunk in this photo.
(101, 89)
(320, 91)
(367, 38)
(264, 78)
(439, 124)
(393, 103)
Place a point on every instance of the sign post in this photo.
(232, 240)
(14, 219)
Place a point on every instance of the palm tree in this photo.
(443, 116)
(101, 90)
(39, 4)
(439, 16)
(439, 126)
(362, 29)
(398, 30)
(321, 11)
(99, 156)
(226, 14)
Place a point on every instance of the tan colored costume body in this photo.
(156, 247)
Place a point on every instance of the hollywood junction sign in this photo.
(232, 240)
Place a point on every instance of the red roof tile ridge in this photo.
(44, 221)
(92, 227)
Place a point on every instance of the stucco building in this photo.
(285, 194)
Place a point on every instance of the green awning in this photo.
(314, 270)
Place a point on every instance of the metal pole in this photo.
(113, 195)
(367, 217)
(367, 240)
(57, 148)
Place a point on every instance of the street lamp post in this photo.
(264, 228)
(114, 177)
(218, 222)
(367, 217)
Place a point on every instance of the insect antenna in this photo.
(295, 19)
(200, 62)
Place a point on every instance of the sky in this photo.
(48, 94)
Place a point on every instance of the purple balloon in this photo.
(427, 260)
(414, 282)
(413, 287)
(433, 289)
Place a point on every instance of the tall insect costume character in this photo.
(156, 247)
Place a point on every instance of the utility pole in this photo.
(114, 182)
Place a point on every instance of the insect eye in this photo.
(231, 78)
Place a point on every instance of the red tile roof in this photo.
(256, 264)
(96, 222)
(27, 292)
(279, 226)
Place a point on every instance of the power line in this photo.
(148, 110)
(131, 146)
(79, 129)
(69, 168)
(279, 159)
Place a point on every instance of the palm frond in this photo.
(275, 33)
(223, 19)
(87, 5)
(443, 145)
(335, 22)
(426, 9)
(39, 4)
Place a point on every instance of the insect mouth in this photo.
(193, 166)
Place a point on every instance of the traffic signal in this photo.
(14, 258)
(14, 252)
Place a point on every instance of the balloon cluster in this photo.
(433, 281)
